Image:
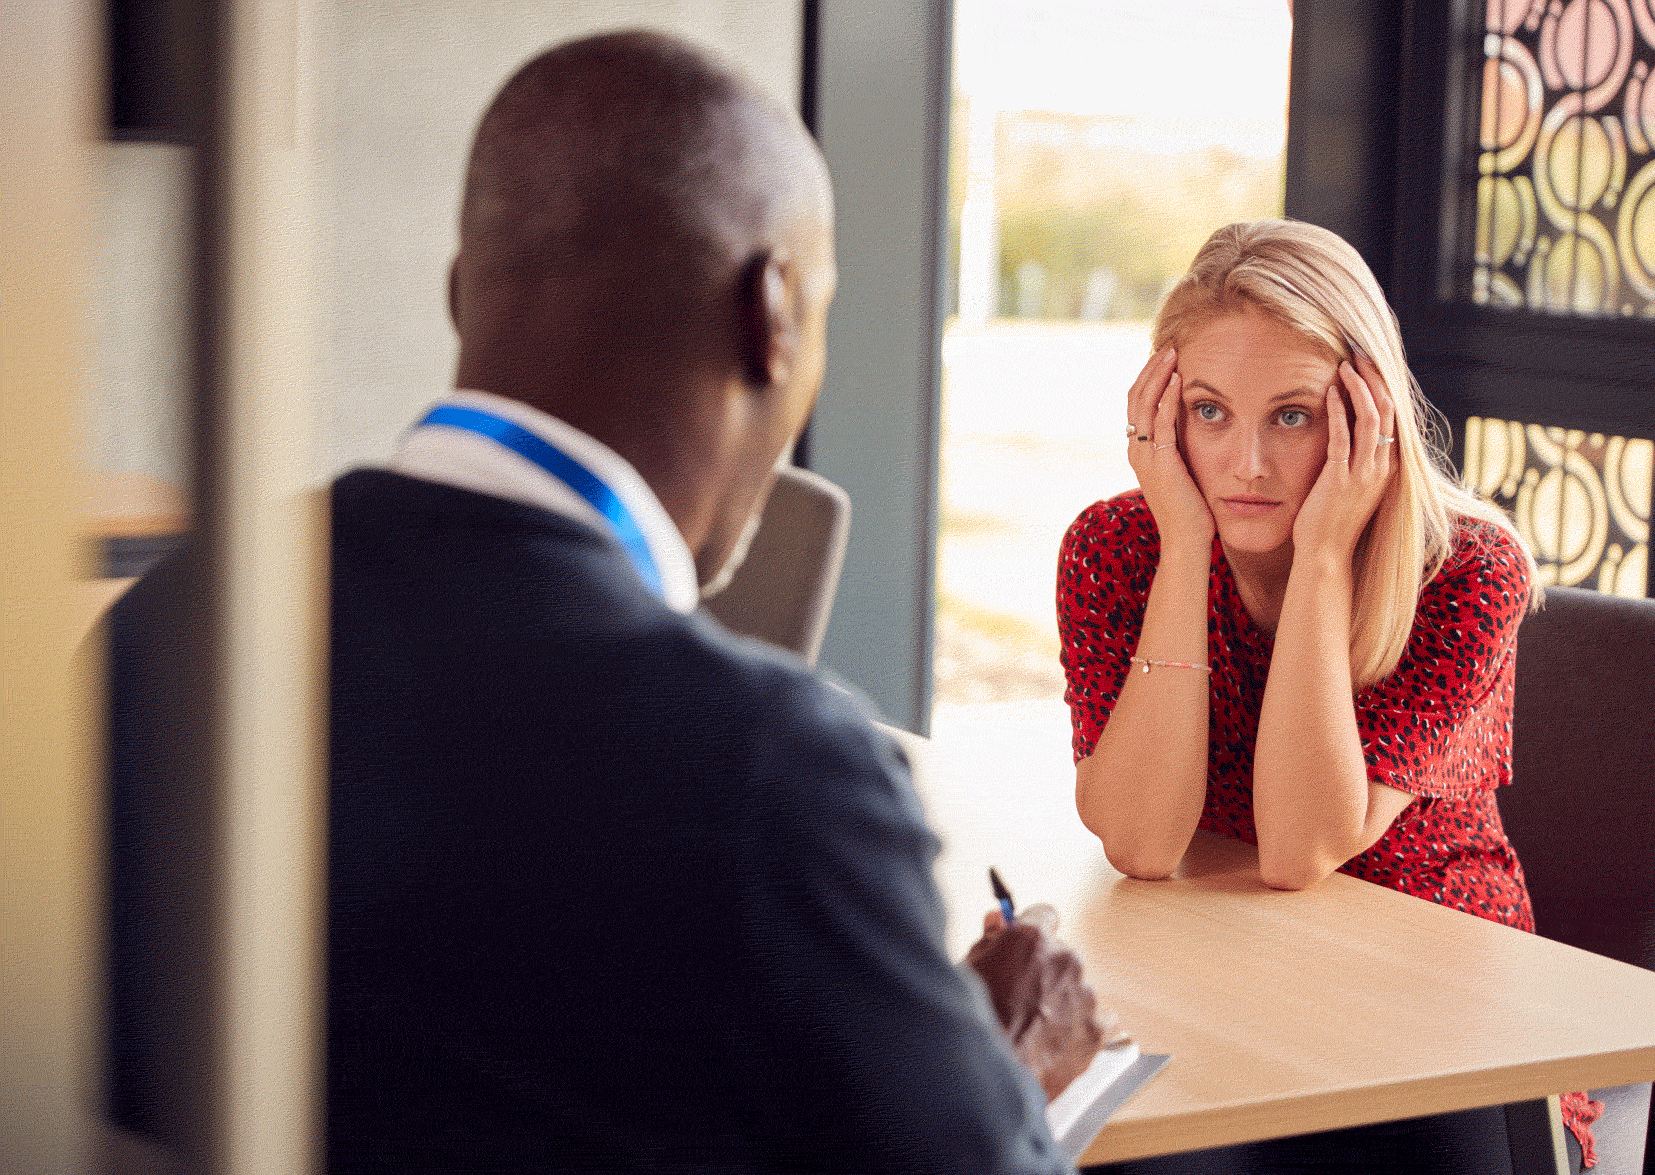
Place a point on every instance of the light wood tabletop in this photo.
(1285, 1013)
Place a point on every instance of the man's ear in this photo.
(770, 319)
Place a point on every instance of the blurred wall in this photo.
(48, 817)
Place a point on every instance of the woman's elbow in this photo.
(1140, 861)
(1136, 846)
(1142, 870)
(1127, 854)
(1293, 872)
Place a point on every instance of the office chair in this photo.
(1581, 808)
(783, 592)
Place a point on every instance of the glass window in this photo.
(1095, 146)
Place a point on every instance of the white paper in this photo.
(1065, 1114)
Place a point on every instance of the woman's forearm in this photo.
(1142, 788)
(1310, 783)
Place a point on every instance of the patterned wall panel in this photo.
(1581, 499)
(1566, 157)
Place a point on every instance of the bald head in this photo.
(646, 252)
(618, 188)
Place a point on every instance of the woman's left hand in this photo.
(1359, 467)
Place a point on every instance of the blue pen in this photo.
(1003, 895)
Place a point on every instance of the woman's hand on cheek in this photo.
(1153, 404)
(1360, 465)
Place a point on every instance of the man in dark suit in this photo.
(609, 887)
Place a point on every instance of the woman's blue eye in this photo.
(1295, 417)
(1208, 412)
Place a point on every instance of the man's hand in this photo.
(1039, 995)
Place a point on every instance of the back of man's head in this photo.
(646, 252)
(617, 187)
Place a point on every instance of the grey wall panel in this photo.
(881, 115)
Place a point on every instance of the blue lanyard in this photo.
(566, 469)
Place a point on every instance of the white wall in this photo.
(139, 308)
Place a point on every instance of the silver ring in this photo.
(1168, 445)
(1340, 460)
(1130, 429)
(1387, 440)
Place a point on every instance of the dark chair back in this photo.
(1581, 808)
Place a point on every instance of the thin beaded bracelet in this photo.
(1146, 663)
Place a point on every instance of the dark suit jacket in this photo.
(611, 888)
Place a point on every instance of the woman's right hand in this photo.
(1152, 407)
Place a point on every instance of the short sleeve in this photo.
(1440, 724)
(1104, 571)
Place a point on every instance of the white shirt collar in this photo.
(469, 461)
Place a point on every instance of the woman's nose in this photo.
(1248, 459)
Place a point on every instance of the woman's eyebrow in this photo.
(1300, 393)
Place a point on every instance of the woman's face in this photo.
(1253, 426)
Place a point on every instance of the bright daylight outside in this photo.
(1095, 146)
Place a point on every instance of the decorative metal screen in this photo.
(1581, 499)
(1565, 171)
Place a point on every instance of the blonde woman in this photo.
(1301, 630)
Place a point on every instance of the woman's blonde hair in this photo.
(1310, 281)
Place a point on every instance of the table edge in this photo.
(1129, 1138)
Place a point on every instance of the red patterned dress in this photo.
(1439, 727)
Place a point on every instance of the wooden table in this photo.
(1288, 1013)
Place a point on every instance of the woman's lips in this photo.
(1248, 507)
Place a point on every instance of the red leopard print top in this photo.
(1439, 727)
